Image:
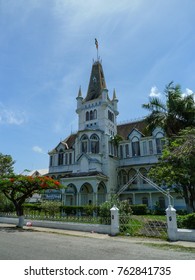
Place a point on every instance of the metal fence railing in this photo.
(60, 218)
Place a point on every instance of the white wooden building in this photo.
(92, 165)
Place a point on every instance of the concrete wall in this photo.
(175, 234)
(185, 234)
(61, 225)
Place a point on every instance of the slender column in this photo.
(114, 220)
(171, 223)
(151, 204)
(133, 198)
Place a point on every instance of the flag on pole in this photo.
(96, 43)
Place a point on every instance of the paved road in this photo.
(35, 245)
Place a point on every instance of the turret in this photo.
(79, 100)
(115, 103)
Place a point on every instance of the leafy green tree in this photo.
(17, 188)
(6, 164)
(176, 167)
(116, 140)
(175, 113)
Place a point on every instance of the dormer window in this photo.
(135, 147)
(60, 157)
(159, 143)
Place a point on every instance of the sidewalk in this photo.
(84, 234)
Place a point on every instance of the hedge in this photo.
(139, 209)
(187, 221)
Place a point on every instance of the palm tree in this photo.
(176, 113)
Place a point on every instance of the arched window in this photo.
(87, 116)
(95, 114)
(135, 147)
(91, 115)
(94, 139)
(132, 173)
(84, 144)
(86, 194)
(122, 177)
(101, 193)
(70, 195)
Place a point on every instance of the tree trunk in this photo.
(20, 222)
(186, 194)
(20, 214)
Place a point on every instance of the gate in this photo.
(142, 226)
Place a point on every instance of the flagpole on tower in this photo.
(96, 44)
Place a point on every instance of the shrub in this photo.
(87, 210)
(158, 210)
(139, 209)
(122, 205)
(187, 221)
(32, 206)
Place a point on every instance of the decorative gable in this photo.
(135, 133)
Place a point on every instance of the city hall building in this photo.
(104, 158)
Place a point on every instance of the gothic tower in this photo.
(97, 110)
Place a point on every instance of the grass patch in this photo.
(164, 246)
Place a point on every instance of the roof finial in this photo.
(96, 44)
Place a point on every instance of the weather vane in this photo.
(96, 44)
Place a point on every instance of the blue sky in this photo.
(46, 53)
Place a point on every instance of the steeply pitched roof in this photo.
(125, 129)
(97, 82)
(68, 143)
(37, 172)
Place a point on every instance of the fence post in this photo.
(114, 220)
(171, 223)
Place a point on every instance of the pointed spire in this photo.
(80, 93)
(97, 82)
(114, 95)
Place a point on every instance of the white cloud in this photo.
(154, 92)
(38, 150)
(187, 92)
(8, 116)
